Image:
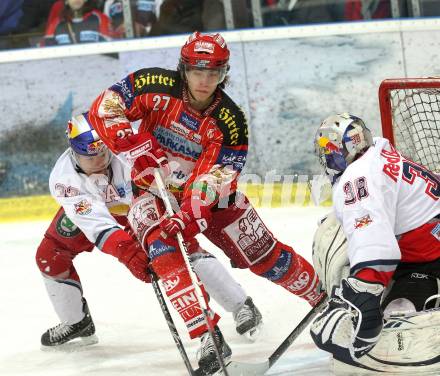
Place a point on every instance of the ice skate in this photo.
(248, 320)
(206, 355)
(65, 336)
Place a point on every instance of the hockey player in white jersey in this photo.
(379, 250)
(94, 190)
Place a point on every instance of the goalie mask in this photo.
(339, 140)
(87, 149)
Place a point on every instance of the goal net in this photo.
(410, 113)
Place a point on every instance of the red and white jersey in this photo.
(93, 203)
(380, 197)
(212, 143)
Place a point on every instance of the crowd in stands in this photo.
(25, 23)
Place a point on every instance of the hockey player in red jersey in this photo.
(198, 137)
(94, 190)
(388, 208)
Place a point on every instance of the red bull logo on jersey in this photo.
(83, 207)
(362, 221)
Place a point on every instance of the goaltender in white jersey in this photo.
(385, 256)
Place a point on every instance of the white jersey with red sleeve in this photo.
(379, 197)
(92, 202)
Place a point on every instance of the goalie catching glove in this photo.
(352, 321)
(144, 154)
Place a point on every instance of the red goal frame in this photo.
(387, 86)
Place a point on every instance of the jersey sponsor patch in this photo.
(159, 248)
(66, 190)
(251, 236)
(228, 118)
(231, 157)
(362, 221)
(436, 231)
(177, 143)
(280, 268)
(125, 89)
(83, 207)
(171, 283)
(66, 228)
(147, 78)
(183, 131)
(300, 283)
(189, 122)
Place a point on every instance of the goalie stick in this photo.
(259, 369)
(199, 294)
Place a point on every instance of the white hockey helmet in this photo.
(87, 149)
(341, 139)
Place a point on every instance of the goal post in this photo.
(410, 115)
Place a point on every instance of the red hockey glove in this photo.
(144, 154)
(192, 219)
(128, 251)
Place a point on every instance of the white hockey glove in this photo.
(329, 253)
(351, 323)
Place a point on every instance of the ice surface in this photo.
(134, 338)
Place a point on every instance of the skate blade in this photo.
(73, 345)
(253, 334)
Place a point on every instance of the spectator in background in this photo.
(178, 16)
(143, 14)
(186, 16)
(367, 9)
(10, 15)
(299, 12)
(77, 22)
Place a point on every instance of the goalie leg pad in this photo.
(329, 253)
(168, 263)
(408, 345)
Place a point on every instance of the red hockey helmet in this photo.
(205, 51)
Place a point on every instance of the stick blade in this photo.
(247, 369)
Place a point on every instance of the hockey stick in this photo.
(199, 294)
(259, 369)
(170, 322)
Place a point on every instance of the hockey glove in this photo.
(144, 154)
(192, 219)
(352, 321)
(128, 251)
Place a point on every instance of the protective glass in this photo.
(209, 75)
